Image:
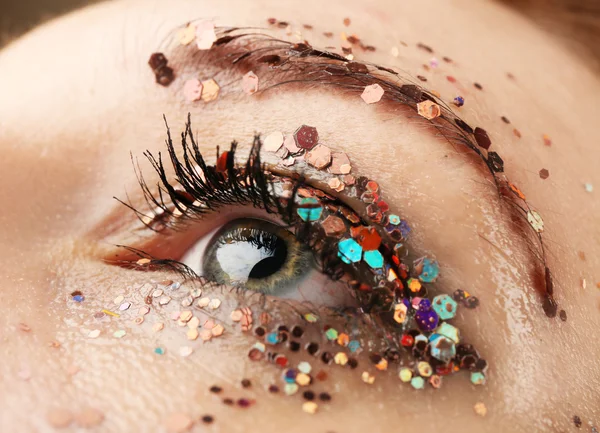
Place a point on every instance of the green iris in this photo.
(256, 255)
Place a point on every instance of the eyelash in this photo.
(206, 188)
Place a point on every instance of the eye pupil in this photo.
(256, 255)
(269, 265)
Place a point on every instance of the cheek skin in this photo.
(123, 377)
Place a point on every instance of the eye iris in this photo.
(256, 254)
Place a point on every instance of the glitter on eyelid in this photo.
(192, 89)
(273, 141)
(367, 378)
(372, 93)
(319, 157)
(250, 83)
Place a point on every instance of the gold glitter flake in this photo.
(310, 407)
(319, 156)
(187, 34)
(218, 330)
(210, 90)
(428, 110)
(480, 409)
(192, 334)
(367, 378)
(535, 220)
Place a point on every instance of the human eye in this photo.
(319, 236)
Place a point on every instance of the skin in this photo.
(79, 97)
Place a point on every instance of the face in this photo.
(290, 281)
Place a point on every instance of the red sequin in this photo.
(407, 340)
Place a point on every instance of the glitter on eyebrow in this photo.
(192, 334)
(544, 173)
(144, 310)
(428, 109)
(459, 101)
(236, 315)
(319, 157)
(372, 93)
(192, 89)
(194, 322)
(187, 34)
(588, 187)
(290, 144)
(250, 83)
(205, 35)
(157, 293)
(139, 320)
(336, 184)
(482, 138)
(94, 333)
(535, 220)
(164, 300)
(218, 330)
(210, 90)
(159, 351)
(395, 52)
(118, 299)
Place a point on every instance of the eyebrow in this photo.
(237, 51)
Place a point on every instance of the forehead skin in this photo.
(78, 96)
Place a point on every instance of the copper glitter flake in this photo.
(340, 163)
(306, 137)
(210, 90)
(319, 157)
(372, 93)
(429, 110)
(273, 141)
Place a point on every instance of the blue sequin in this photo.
(394, 219)
(78, 298)
(353, 346)
(459, 101)
(442, 348)
(290, 375)
(309, 213)
(349, 251)
(373, 258)
(445, 306)
(426, 318)
(430, 271)
(404, 229)
(272, 338)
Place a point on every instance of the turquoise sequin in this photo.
(309, 213)
(349, 251)
(374, 259)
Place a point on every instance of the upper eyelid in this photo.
(279, 63)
